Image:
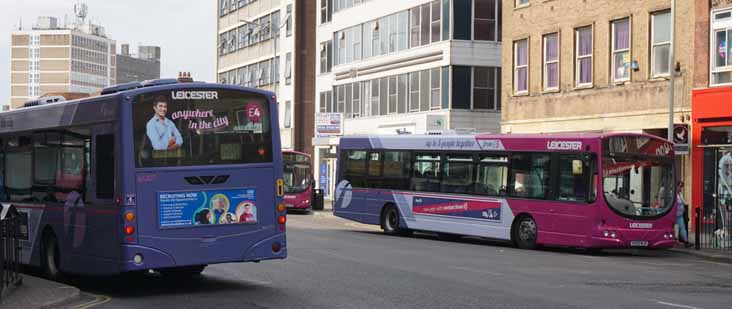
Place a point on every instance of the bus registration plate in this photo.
(639, 243)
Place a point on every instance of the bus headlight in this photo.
(138, 259)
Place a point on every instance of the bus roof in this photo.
(496, 142)
(95, 109)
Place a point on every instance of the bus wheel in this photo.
(183, 272)
(524, 233)
(390, 221)
(51, 256)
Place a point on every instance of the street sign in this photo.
(681, 139)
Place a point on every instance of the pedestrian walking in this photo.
(680, 207)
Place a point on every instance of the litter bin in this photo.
(318, 199)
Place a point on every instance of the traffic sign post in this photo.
(681, 139)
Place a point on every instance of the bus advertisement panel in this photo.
(529, 189)
(169, 176)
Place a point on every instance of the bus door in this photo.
(376, 198)
(574, 188)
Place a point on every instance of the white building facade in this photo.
(404, 67)
(253, 51)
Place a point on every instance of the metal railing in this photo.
(713, 228)
(9, 254)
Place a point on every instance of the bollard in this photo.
(697, 230)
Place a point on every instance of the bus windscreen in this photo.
(201, 127)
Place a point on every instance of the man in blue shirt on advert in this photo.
(162, 131)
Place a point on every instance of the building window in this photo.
(521, 66)
(326, 57)
(224, 7)
(520, 3)
(486, 18)
(485, 82)
(551, 61)
(661, 43)
(326, 11)
(621, 50)
(288, 27)
(326, 102)
(583, 55)
(721, 71)
(288, 69)
(288, 114)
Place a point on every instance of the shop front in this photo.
(712, 165)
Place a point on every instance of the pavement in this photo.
(36, 292)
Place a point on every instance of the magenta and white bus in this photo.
(586, 190)
(298, 179)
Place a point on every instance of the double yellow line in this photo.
(98, 300)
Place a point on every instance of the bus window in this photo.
(375, 164)
(18, 169)
(232, 128)
(396, 170)
(530, 175)
(426, 173)
(492, 176)
(355, 163)
(573, 180)
(105, 165)
(458, 174)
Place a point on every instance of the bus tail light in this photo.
(281, 207)
(129, 216)
(276, 247)
(117, 200)
(129, 230)
(282, 219)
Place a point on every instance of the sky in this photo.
(185, 33)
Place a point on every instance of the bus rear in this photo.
(202, 178)
(639, 191)
(298, 180)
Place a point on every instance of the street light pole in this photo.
(672, 71)
(275, 38)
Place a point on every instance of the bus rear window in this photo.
(201, 127)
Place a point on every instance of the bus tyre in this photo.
(524, 233)
(51, 257)
(390, 222)
(183, 272)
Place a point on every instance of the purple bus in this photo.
(165, 175)
(575, 190)
(298, 180)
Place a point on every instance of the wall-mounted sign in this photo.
(328, 124)
(681, 139)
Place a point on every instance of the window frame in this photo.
(516, 67)
(577, 58)
(614, 51)
(546, 63)
(714, 27)
(653, 45)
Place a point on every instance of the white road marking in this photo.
(676, 305)
(471, 270)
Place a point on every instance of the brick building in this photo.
(599, 66)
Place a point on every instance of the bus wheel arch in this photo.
(524, 231)
(390, 220)
(50, 254)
